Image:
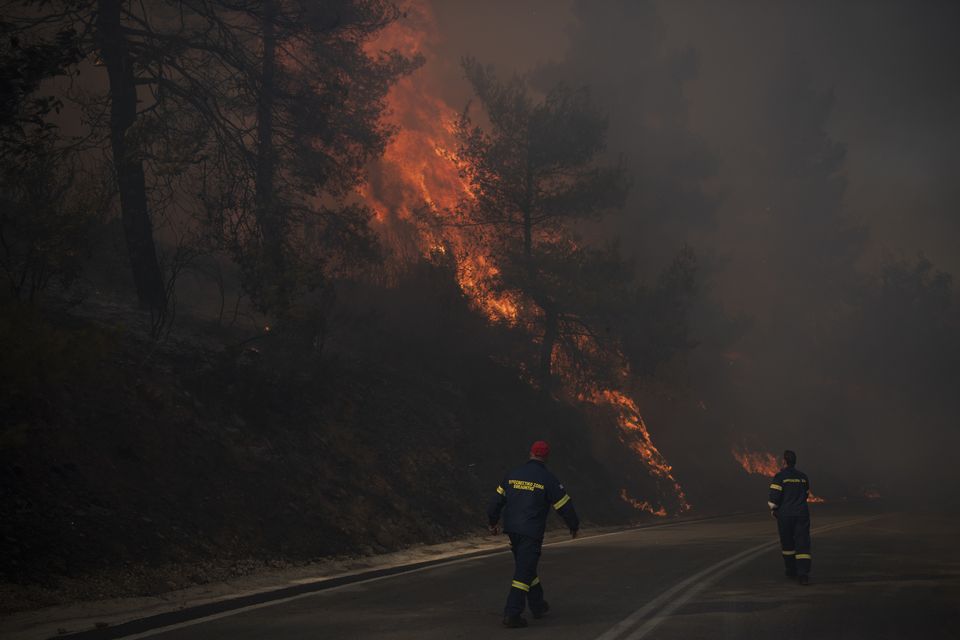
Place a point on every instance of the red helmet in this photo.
(540, 449)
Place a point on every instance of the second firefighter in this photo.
(787, 500)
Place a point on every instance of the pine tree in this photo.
(535, 174)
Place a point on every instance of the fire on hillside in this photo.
(763, 463)
(416, 191)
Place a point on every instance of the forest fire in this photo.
(415, 190)
(288, 284)
(641, 505)
(416, 186)
(634, 434)
(757, 462)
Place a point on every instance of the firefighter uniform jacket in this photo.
(788, 493)
(528, 493)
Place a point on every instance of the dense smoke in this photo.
(805, 154)
(287, 280)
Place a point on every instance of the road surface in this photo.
(875, 575)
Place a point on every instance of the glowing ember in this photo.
(641, 505)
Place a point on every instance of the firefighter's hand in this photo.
(494, 529)
(773, 513)
(574, 533)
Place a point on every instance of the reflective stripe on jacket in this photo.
(788, 492)
(528, 493)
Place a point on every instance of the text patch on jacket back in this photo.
(525, 485)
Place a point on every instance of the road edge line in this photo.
(707, 577)
(222, 608)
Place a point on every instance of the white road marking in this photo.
(270, 603)
(676, 597)
(585, 539)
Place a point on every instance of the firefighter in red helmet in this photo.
(528, 493)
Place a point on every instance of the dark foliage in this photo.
(536, 171)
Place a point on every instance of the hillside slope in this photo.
(133, 469)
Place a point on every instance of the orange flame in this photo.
(757, 462)
(416, 185)
(764, 464)
(414, 190)
(635, 435)
(642, 505)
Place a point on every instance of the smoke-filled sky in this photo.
(891, 66)
(792, 145)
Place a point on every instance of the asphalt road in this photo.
(875, 575)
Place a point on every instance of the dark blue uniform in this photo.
(788, 499)
(528, 493)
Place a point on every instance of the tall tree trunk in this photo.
(527, 210)
(551, 331)
(528, 239)
(137, 227)
(551, 327)
(267, 213)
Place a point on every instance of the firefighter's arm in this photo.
(495, 506)
(775, 494)
(561, 502)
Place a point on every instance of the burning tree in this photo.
(289, 101)
(533, 172)
(295, 100)
(246, 124)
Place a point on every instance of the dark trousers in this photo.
(795, 543)
(526, 582)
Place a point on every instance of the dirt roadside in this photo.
(62, 619)
(50, 622)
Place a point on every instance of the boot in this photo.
(514, 622)
(544, 607)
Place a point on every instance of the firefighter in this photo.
(528, 493)
(788, 504)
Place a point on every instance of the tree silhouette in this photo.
(620, 49)
(534, 173)
(293, 100)
(256, 118)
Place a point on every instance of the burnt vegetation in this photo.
(222, 347)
